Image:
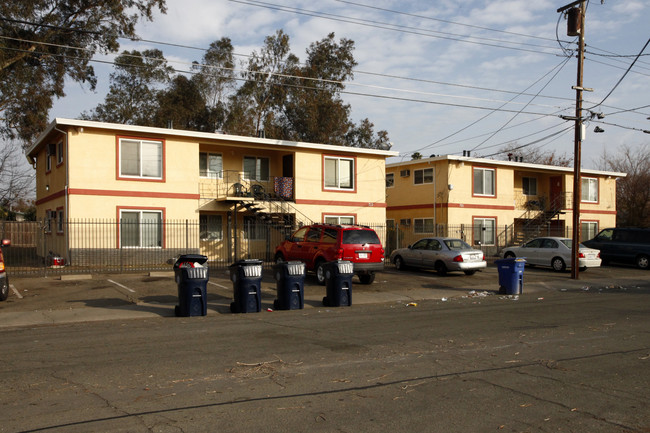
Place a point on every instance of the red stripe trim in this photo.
(117, 193)
(340, 203)
(452, 205)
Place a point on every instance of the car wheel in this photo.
(583, 269)
(509, 255)
(367, 278)
(4, 289)
(441, 269)
(472, 272)
(399, 263)
(558, 264)
(642, 262)
(320, 272)
(279, 258)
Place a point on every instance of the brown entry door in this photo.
(555, 191)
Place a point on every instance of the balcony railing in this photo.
(234, 184)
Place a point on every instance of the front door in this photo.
(555, 192)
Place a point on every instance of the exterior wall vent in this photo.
(405, 173)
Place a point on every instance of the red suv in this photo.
(321, 243)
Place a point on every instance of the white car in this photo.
(442, 254)
(554, 252)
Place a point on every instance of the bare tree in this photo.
(534, 155)
(16, 176)
(632, 191)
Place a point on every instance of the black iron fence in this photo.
(110, 246)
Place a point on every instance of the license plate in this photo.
(591, 256)
(473, 256)
(364, 255)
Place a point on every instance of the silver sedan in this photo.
(442, 254)
(554, 252)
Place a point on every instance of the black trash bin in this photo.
(191, 274)
(246, 277)
(511, 275)
(290, 285)
(338, 282)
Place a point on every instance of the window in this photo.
(210, 165)
(141, 158)
(423, 225)
(339, 173)
(590, 189)
(254, 229)
(588, 230)
(484, 229)
(59, 220)
(59, 153)
(256, 168)
(405, 222)
(390, 180)
(210, 227)
(140, 229)
(339, 219)
(529, 185)
(49, 216)
(423, 176)
(484, 181)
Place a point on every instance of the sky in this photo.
(441, 77)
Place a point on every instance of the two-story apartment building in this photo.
(494, 203)
(150, 180)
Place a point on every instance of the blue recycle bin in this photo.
(191, 277)
(246, 277)
(290, 285)
(511, 275)
(338, 282)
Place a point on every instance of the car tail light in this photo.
(482, 256)
(2, 267)
(458, 258)
(581, 255)
(598, 255)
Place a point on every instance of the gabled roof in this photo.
(512, 164)
(134, 129)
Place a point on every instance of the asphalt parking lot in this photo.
(73, 298)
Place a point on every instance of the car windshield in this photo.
(360, 237)
(457, 244)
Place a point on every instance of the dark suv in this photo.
(318, 244)
(623, 245)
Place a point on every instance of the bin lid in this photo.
(198, 258)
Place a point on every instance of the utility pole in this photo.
(577, 181)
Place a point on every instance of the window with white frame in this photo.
(484, 231)
(390, 180)
(423, 176)
(423, 225)
(254, 229)
(59, 153)
(211, 165)
(141, 158)
(590, 189)
(140, 228)
(484, 181)
(210, 227)
(256, 168)
(588, 230)
(529, 185)
(339, 219)
(339, 173)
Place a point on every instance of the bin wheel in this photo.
(4, 289)
(320, 272)
(177, 310)
(441, 269)
(233, 308)
(558, 264)
(326, 301)
(367, 278)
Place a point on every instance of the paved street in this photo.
(565, 356)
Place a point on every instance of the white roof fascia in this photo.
(512, 164)
(204, 136)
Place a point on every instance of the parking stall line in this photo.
(121, 285)
(16, 292)
(218, 285)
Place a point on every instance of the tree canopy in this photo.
(45, 42)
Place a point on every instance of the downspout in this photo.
(66, 205)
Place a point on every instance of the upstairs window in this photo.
(423, 176)
(484, 182)
(211, 165)
(256, 168)
(590, 189)
(529, 185)
(339, 173)
(390, 180)
(141, 159)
